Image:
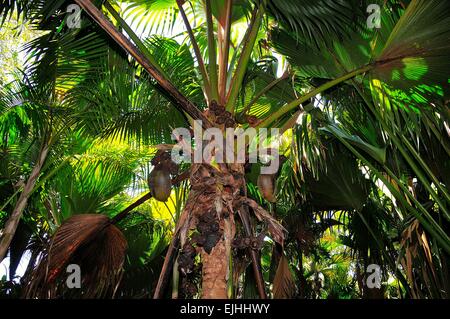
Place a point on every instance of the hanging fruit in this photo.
(160, 184)
(266, 185)
(267, 182)
(159, 180)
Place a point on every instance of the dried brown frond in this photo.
(95, 245)
(283, 283)
(276, 230)
(418, 262)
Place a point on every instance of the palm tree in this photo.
(367, 109)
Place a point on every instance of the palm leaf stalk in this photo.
(224, 48)
(198, 55)
(37, 185)
(247, 48)
(212, 52)
(133, 36)
(183, 103)
(294, 104)
(243, 214)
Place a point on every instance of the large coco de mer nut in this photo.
(160, 184)
(266, 185)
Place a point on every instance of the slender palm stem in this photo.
(198, 55)
(137, 41)
(254, 255)
(212, 52)
(224, 49)
(175, 280)
(290, 106)
(248, 44)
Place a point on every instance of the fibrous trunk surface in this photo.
(210, 224)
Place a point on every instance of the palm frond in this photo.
(152, 16)
(91, 242)
(283, 283)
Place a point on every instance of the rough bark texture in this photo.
(206, 227)
(208, 224)
(211, 217)
(13, 221)
(215, 268)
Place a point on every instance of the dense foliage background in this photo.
(367, 171)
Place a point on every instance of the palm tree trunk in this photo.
(215, 269)
(209, 213)
(13, 221)
(208, 228)
(212, 214)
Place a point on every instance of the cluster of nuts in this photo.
(222, 116)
